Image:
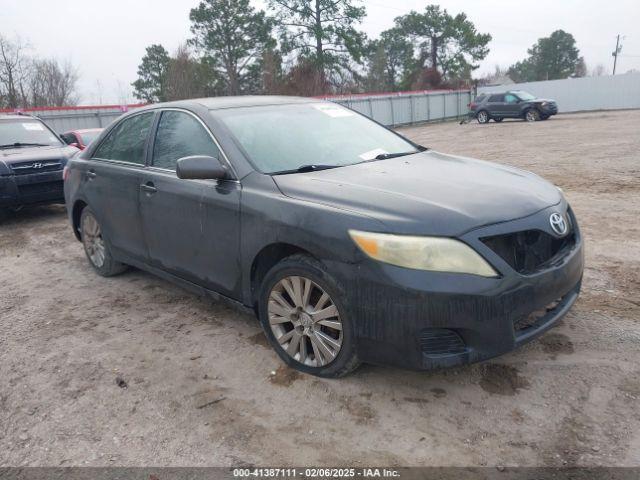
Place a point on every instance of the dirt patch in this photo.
(259, 339)
(500, 379)
(362, 412)
(416, 400)
(284, 376)
(631, 386)
(439, 392)
(555, 343)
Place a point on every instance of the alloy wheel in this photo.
(483, 117)
(93, 241)
(305, 321)
(532, 116)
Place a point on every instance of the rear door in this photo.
(191, 227)
(111, 182)
(495, 105)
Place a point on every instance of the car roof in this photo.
(218, 103)
(85, 130)
(18, 117)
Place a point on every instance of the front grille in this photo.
(38, 166)
(441, 341)
(45, 187)
(531, 250)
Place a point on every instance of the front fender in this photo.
(269, 217)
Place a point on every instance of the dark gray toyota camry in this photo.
(351, 243)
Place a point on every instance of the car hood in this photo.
(429, 193)
(10, 156)
(23, 154)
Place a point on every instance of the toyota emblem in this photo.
(558, 224)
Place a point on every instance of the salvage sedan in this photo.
(351, 243)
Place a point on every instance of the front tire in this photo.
(96, 247)
(302, 312)
(483, 116)
(532, 115)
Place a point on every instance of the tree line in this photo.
(296, 47)
(315, 47)
(309, 47)
(27, 81)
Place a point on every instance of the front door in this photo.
(112, 181)
(511, 105)
(191, 227)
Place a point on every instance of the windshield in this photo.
(523, 95)
(88, 137)
(26, 131)
(286, 137)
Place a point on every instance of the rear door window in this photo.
(181, 135)
(126, 142)
(496, 98)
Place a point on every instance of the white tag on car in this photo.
(334, 111)
(371, 154)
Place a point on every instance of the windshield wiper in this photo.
(21, 144)
(385, 156)
(306, 168)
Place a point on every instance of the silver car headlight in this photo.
(436, 254)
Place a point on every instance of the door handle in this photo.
(91, 175)
(148, 188)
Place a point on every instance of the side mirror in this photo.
(200, 167)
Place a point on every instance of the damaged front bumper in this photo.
(424, 320)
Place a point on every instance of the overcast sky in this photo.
(107, 38)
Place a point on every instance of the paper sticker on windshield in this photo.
(334, 111)
(370, 155)
(33, 126)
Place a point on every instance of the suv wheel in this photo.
(532, 115)
(96, 246)
(483, 117)
(303, 316)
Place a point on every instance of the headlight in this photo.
(437, 254)
(544, 104)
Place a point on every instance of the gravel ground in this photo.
(134, 371)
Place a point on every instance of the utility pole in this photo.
(616, 53)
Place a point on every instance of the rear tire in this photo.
(483, 116)
(96, 247)
(532, 115)
(320, 344)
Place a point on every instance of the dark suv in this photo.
(512, 104)
(32, 158)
